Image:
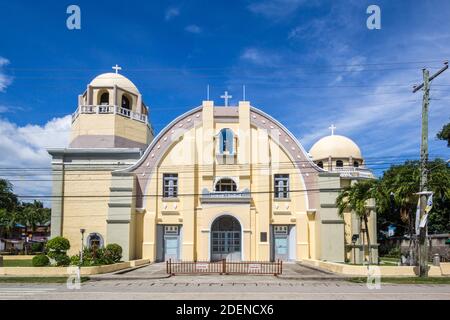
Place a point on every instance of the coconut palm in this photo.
(34, 214)
(355, 198)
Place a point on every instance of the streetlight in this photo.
(82, 242)
(355, 238)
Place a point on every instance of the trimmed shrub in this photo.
(58, 244)
(62, 259)
(114, 251)
(57, 248)
(40, 260)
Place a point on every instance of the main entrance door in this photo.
(226, 239)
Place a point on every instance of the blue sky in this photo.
(307, 63)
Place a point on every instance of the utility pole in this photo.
(422, 247)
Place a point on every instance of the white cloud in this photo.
(259, 57)
(172, 12)
(275, 9)
(193, 29)
(24, 147)
(5, 80)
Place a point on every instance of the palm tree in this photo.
(355, 198)
(34, 214)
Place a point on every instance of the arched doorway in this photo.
(226, 239)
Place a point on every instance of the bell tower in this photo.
(111, 114)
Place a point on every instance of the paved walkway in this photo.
(158, 271)
(147, 272)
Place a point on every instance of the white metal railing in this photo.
(349, 171)
(109, 109)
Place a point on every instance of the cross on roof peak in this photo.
(117, 68)
(332, 127)
(225, 96)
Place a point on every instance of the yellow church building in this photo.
(218, 182)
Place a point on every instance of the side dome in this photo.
(110, 79)
(335, 146)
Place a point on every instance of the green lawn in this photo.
(407, 280)
(17, 263)
(37, 279)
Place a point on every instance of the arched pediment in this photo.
(156, 151)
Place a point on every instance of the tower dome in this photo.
(111, 114)
(336, 153)
(111, 79)
(335, 146)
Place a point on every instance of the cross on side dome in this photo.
(332, 127)
(117, 68)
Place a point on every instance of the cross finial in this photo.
(226, 97)
(117, 68)
(332, 127)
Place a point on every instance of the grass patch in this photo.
(37, 279)
(17, 263)
(407, 280)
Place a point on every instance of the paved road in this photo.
(135, 285)
(219, 288)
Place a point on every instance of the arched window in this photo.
(320, 164)
(126, 102)
(104, 98)
(94, 240)
(226, 141)
(225, 185)
(339, 164)
(356, 164)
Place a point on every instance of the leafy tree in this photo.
(403, 182)
(34, 214)
(13, 212)
(444, 134)
(8, 220)
(355, 198)
(8, 200)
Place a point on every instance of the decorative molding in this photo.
(119, 205)
(333, 222)
(120, 189)
(170, 213)
(117, 221)
(282, 213)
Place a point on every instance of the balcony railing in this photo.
(350, 172)
(109, 109)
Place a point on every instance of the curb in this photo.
(115, 278)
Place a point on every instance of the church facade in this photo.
(218, 182)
